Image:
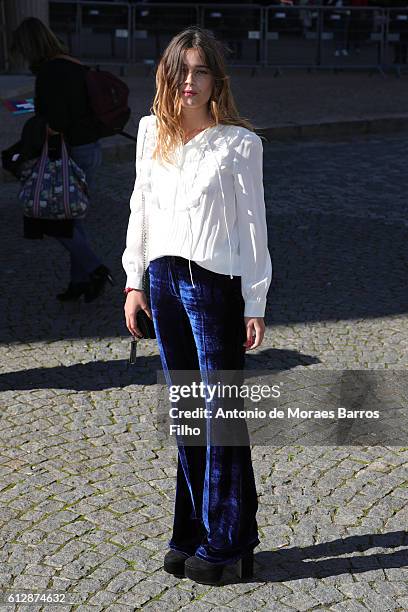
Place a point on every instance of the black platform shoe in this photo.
(98, 279)
(73, 292)
(205, 572)
(174, 563)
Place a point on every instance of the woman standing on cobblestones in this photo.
(61, 99)
(210, 270)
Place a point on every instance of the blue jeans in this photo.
(202, 328)
(82, 258)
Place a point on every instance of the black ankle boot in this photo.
(174, 563)
(98, 279)
(205, 572)
(73, 292)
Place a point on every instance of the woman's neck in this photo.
(196, 120)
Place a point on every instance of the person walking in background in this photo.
(201, 191)
(339, 19)
(361, 24)
(61, 99)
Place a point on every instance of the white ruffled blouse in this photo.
(208, 207)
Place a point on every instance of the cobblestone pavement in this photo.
(86, 492)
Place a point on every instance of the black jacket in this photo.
(61, 98)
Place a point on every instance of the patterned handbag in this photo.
(54, 189)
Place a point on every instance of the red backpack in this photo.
(108, 98)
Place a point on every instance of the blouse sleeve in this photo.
(256, 265)
(132, 258)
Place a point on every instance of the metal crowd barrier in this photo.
(279, 36)
(155, 25)
(397, 38)
(119, 32)
(94, 30)
(324, 37)
(4, 58)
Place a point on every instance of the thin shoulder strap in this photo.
(145, 283)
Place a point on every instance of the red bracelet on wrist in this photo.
(128, 290)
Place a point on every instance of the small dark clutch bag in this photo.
(145, 324)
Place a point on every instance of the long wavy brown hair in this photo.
(167, 105)
(36, 43)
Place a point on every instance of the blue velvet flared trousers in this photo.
(202, 328)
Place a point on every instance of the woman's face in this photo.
(197, 79)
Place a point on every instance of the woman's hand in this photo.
(255, 328)
(135, 300)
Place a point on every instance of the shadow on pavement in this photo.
(329, 267)
(294, 563)
(99, 375)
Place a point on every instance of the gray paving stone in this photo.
(59, 583)
(125, 581)
(194, 605)
(326, 594)
(305, 602)
(349, 606)
(396, 573)
(146, 590)
(103, 598)
(30, 582)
